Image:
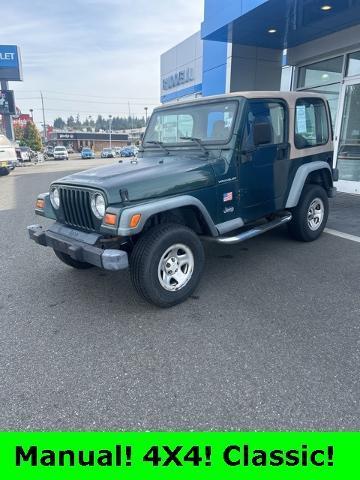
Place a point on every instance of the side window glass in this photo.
(311, 125)
(271, 114)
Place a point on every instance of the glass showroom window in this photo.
(353, 64)
(349, 142)
(325, 78)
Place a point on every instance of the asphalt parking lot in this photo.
(270, 340)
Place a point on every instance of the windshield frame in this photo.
(239, 106)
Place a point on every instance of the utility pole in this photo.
(7, 119)
(146, 113)
(43, 113)
(110, 121)
(132, 123)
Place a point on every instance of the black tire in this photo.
(299, 227)
(65, 258)
(4, 171)
(145, 260)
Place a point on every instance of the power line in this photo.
(141, 114)
(84, 101)
(91, 95)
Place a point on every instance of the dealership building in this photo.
(302, 45)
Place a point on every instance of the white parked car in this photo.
(60, 153)
(8, 160)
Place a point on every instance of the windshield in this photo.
(208, 122)
(60, 149)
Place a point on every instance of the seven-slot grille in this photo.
(76, 208)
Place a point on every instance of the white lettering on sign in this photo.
(7, 56)
(179, 78)
(66, 135)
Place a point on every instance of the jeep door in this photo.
(264, 158)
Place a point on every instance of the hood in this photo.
(148, 177)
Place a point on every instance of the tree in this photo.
(31, 137)
(70, 122)
(19, 134)
(59, 123)
(99, 124)
(78, 124)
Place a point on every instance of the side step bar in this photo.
(253, 232)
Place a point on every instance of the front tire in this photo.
(311, 214)
(166, 264)
(4, 171)
(65, 258)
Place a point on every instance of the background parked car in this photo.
(87, 153)
(129, 152)
(108, 153)
(49, 151)
(24, 154)
(7, 156)
(70, 149)
(60, 153)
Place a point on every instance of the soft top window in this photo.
(311, 123)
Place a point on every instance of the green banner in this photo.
(87, 456)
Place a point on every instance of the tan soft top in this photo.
(289, 97)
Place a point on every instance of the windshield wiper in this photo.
(160, 144)
(198, 141)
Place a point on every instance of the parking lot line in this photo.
(347, 236)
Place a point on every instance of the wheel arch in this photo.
(318, 173)
(188, 210)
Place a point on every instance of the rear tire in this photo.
(65, 258)
(311, 214)
(166, 264)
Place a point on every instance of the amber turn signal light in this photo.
(135, 219)
(110, 219)
(40, 203)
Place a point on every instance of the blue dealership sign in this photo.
(10, 63)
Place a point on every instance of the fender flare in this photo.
(149, 209)
(300, 179)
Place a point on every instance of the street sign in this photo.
(10, 63)
(7, 102)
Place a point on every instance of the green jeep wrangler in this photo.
(224, 168)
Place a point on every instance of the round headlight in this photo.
(98, 205)
(55, 197)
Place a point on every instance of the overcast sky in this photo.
(92, 56)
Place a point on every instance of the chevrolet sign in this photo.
(10, 63)
(179, 78)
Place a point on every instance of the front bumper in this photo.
(78, 248)
(5, 166)
(10, 164)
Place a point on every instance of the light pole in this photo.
(146, 113)
(43, 113)
(32, 114)
(110, 121)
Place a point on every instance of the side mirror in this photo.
(262, 133)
